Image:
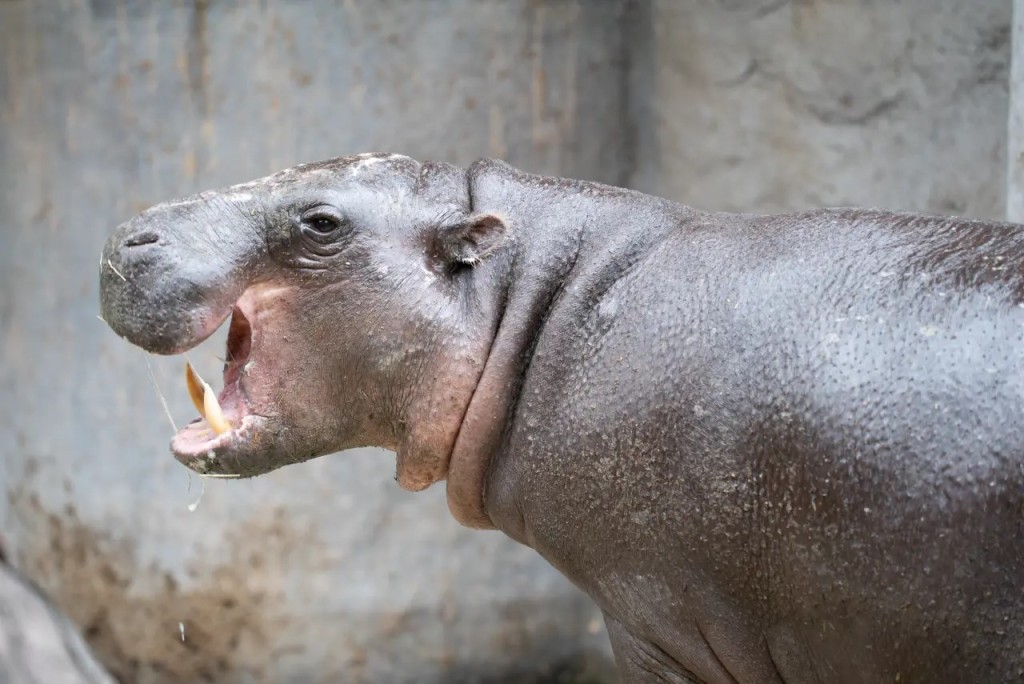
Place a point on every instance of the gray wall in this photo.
(773, 104)
(327, 571)
(1015, 128)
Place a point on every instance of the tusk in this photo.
(214, 416)
(205, 401)
(195, 388)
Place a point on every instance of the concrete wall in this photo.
(1015, 126)
(784, 104)
(327, 571)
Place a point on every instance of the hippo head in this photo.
(356, 317)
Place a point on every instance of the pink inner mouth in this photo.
(239, 346)
(198, 438)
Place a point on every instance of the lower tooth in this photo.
(205, 401)
(214, 416)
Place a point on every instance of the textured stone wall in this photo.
(1015, 127)
(766, 105)
(37, 641)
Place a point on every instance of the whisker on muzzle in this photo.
(114, 269)
(159, 394)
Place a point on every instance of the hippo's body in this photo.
(771, 448)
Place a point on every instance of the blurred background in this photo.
(328, 572)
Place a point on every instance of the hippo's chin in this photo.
(235, 453)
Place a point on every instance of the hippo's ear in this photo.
(471, 240)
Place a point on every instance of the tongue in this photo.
(205, 401)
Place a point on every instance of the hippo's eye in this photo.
(322, 224)
(322, 220)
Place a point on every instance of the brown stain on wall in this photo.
(130, 614)
(237, 615)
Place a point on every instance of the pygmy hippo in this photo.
(783, 448)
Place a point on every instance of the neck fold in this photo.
(552, 222)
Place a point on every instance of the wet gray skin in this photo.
(771, 448)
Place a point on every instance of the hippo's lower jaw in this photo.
(197, 447)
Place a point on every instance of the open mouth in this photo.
(225, 420)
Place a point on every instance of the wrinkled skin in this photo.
(771, 448)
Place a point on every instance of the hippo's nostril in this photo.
(146, 237)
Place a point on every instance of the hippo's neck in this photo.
(561, 229)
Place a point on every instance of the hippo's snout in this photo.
(169, 276)
(142, 300)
